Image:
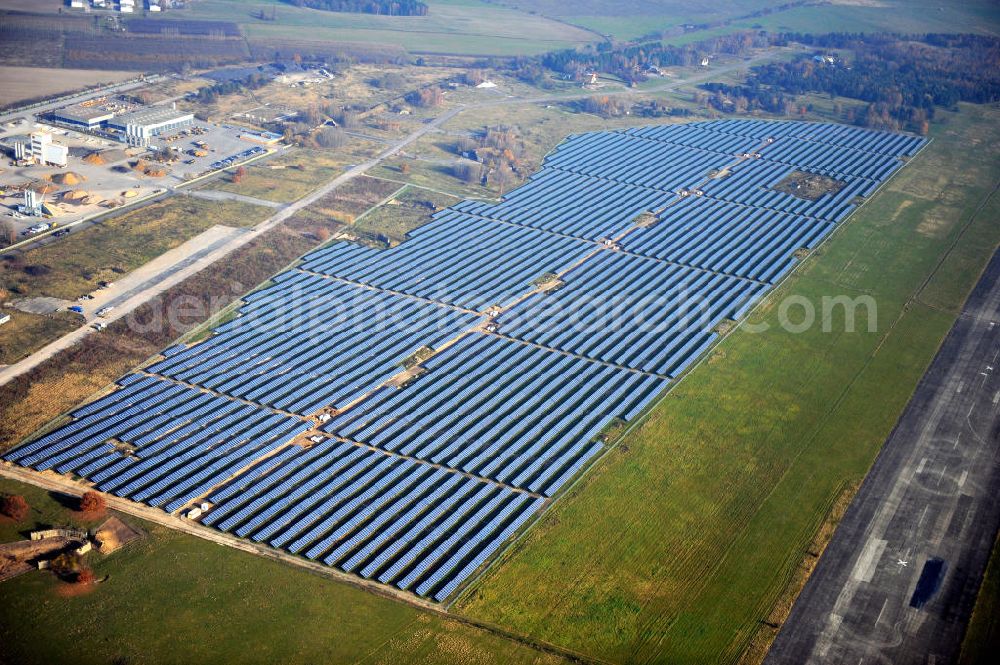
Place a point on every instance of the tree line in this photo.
(383, 7)
(211, 93)
(635, 62)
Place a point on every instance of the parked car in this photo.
(76, 308)
(104, 311)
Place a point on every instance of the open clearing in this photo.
(630, 19)
(679, 541)
(106, 251)
(451, 27)
(306, 619)
(28, 83)
(118, 245)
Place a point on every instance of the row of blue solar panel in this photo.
(803, 153)
(631, 311)
(729, 238)
(458, 259)
(572, 204)
(403, 522)
(501, 409)
(847, 136)
(308, 342)
(160, 443)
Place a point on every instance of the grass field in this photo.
(21, 335)
(119, 245)
(409, 208)
(203, 603)
(285, 178)
(22, 83)
(982, 638)
(451, 27)
(681, 540)
(634, 18)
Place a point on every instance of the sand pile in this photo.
(95, 159)
(43, 188)
(75, 195)
(68, 178)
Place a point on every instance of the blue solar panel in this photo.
(647, 239)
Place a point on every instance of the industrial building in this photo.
(87, 118)
(139, 127)
(41, 150)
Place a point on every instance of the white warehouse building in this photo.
(139, 127)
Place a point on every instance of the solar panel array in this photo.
(398, 414)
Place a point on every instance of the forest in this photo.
(381, 7)
(634, 62)
(903, 78)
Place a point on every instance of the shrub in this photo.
(14, 506)
(92, 502)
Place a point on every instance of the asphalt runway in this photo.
(898, 582)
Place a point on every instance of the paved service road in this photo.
(898, 581)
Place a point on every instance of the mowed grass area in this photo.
(116, 246)
(20, 336)
(285, 178)
(982, 638)
(630, 19)
(409, 208)
(457, 27)
(174, 598)
(681, 540)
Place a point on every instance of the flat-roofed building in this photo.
(139, 127)
(87, 118)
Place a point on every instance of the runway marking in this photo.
(879, 617)
(922, 516)
(996, 397)
(941, 477)
(961, 384)
(920, 467)
(959, 438)
(961, 479)
(864, 569)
